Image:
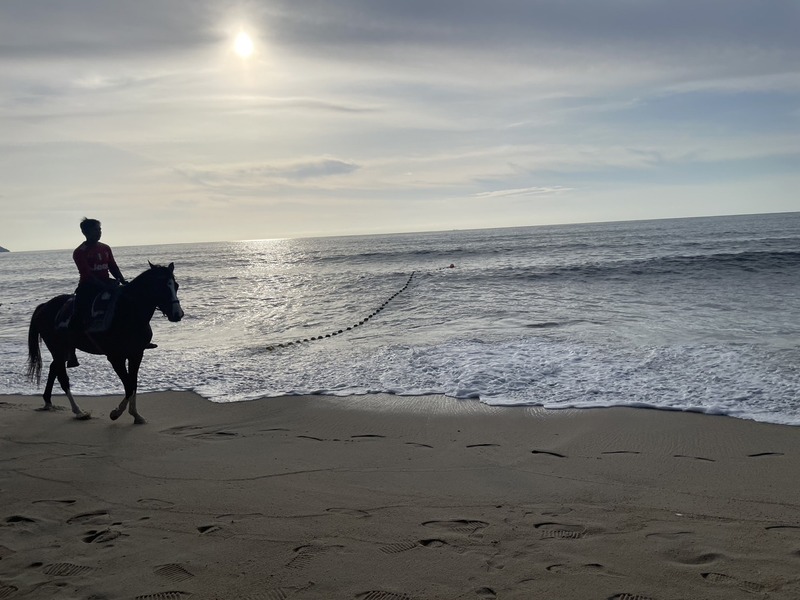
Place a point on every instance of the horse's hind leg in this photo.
(57, 370)
(48, 388)
(133, 380)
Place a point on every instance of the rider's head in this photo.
(91, 229)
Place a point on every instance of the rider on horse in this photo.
(94, 260)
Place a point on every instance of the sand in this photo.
(389, 498)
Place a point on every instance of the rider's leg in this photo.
(84, 295)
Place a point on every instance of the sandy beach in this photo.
(392, 498)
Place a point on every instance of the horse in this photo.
(125, 339)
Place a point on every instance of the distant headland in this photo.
(4, 249)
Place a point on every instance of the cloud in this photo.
(255, 175)
(529, 191)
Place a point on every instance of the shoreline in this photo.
(421, 403)
(394, 497)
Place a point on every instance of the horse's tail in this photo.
(34, 351)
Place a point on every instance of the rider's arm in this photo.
(114, 269)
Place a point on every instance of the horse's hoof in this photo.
(83, 416)
(45, 408)
(115, 414)
(137, 420)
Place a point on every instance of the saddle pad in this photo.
(65, 313)
(102, 311)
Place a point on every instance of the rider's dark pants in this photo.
(85, 294)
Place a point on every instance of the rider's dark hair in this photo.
(88, 224)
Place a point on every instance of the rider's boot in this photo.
(72, 361)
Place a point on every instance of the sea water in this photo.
(695, 314)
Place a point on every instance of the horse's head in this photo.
(165, 290)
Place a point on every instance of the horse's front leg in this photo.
(129, 377)
(134, 363)
(118, 362)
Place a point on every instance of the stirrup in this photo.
(72, 361)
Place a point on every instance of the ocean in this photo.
(697, 314)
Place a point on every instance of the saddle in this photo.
(101, 314)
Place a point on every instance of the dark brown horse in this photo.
(123, 343)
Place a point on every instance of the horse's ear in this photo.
(152, 266)
(171, 267)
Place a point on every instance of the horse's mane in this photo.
(148, 275)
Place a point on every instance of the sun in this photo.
(243, 46)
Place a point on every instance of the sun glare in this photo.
(243, 45)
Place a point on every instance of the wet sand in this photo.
(389, 498)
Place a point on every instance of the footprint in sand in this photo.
(697, 559)
(483, 445)
(350, 512)
(418, 444)
(20, 519)
(173, 572)
(367, 436)
(155, 503)
(183, 430)
(722, 579)
(94, 517)
(54, 502)
(630, 597)
(7, 591)
(548, 453)
(281, 593)
(215, 531)
(759, 454)
(399, 547)
(560, 531)
(621, 452)
(216, 435)
(694, 457)
(100, 537)
(550, 511)
(305, 554)
(164, 596)
(784, 528)
(668, 535)
(66, 569)
(437, 543)
(590, 568)
(382, 595)
(463, 526)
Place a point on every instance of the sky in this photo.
(378, 116)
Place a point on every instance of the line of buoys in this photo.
(340, 331)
